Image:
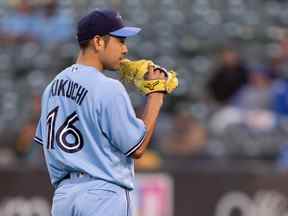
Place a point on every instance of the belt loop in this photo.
(77, 175)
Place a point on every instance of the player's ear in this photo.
(98, 43)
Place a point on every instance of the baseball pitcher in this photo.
(88, 128)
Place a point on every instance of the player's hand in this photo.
(155, 73)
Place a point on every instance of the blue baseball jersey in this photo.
(88, 125)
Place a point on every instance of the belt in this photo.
(72, 175)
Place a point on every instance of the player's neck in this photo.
(89, 61)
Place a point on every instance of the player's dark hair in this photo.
(84, 45)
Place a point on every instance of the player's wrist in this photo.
(156, 96)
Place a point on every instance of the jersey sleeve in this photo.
(38, 134)
(119, 122)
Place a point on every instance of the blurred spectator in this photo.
(53, 26)
(24, 148)
(235, 132)
(185, 136)
(42, 23)
(149, 161)
(256, 94)
(17, 25)
(247, 127)
(275, 67)
(229, 76)
(24, 142)
(280, 97)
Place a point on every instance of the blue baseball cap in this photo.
(103, 22)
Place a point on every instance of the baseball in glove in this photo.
(134, 72)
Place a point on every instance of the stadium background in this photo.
(220, 148)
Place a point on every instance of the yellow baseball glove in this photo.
(134, 71)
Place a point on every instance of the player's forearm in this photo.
(150, 115)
